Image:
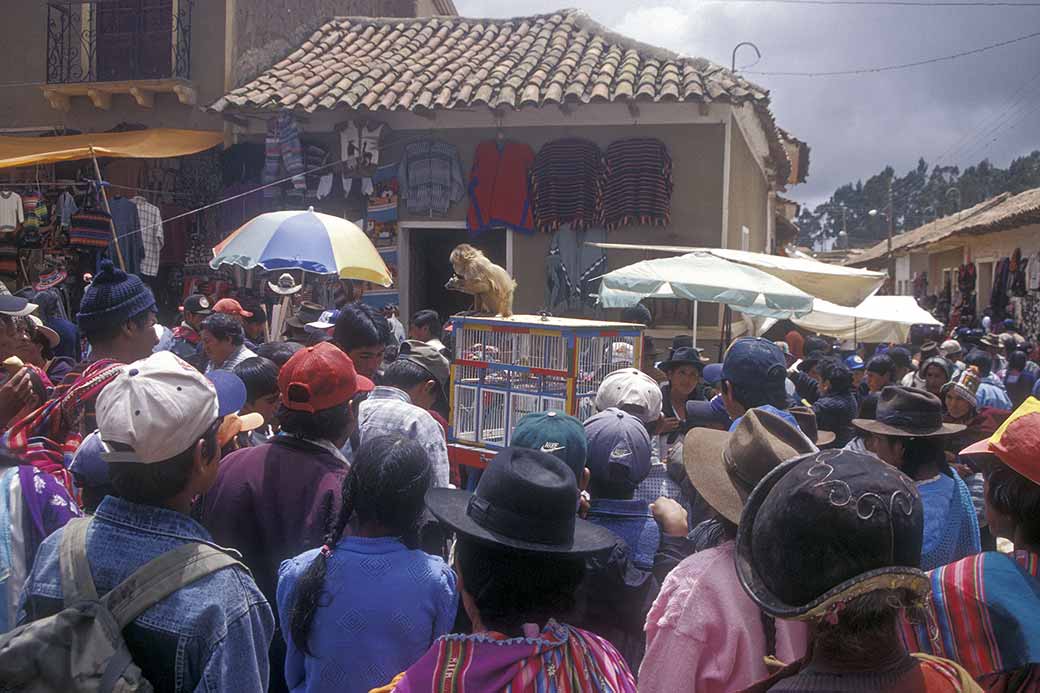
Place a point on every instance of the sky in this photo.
(955, 112)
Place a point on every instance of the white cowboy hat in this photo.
(286, 285)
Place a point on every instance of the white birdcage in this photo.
(505, 368)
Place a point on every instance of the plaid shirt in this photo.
(151, 235)
(389, 411)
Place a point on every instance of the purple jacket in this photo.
(273, 502)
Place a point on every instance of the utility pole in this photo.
(891, 219)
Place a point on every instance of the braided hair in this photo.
(387, 485)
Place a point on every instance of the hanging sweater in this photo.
(637, 183)
(430, 177)
(566, 185)
(498, 192)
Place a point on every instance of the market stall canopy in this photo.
(877, 319)
(701, 276)
(845, 286)
(158, 143)
(305, 240)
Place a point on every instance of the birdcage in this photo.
(504, 368)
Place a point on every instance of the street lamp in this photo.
(891, 260)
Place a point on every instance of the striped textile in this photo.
(559, 659)
(566, 185)
(637, 183)
(984, 613)
(91, 227)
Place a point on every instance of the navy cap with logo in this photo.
(197, 304)
(756, 364)
(555, 433)
(619, 447)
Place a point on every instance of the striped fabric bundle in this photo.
(566, 185)
(637, 183)
(90, 227)
(982, 614)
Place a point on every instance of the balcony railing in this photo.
(118, 40)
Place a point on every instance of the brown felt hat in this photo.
(806, 419)
(908, 412)
(725, 466)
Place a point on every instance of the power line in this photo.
(890, 3)
(901, 66)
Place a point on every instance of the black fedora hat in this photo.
(908, 412)
(825, 528)
(683, 356)
(525, 500)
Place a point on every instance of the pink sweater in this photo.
(704, 633)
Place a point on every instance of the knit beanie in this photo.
(113, 298)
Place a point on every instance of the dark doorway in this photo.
(134, 39)
(431, 268)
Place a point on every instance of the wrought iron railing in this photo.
(114, 40)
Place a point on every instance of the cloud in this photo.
(856, 125)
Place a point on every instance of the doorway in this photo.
(984, 282)
(430, 269)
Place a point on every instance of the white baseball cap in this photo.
(159, 406)
(633, 391)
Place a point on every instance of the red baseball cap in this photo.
(318, 377)
(1016, 442)
(231, 307)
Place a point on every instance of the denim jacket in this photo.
(210, 636)
(632, 521)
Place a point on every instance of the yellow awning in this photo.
(134, 144)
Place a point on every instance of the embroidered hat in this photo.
(525, 500)
(317, 377)
(725, 466)
(555, 433)
(1016, 442)
(50, 278)
(230, 306)
(158, 406)
(825, 528)
(619, 447)
(965, 386)
(633, 391)
(907, 412)
(112, 298)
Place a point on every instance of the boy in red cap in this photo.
(274, 501)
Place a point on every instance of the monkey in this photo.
(490, 285)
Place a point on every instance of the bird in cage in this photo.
(490, 285)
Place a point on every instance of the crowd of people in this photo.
(210, 509)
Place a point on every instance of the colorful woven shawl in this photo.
(560, 659)
(984, 613)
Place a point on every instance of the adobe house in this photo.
(534, 80)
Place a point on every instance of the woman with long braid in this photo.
(367, 605)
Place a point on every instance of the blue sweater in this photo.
(951, 529)
(383, 607)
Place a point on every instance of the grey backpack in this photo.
(81, 648)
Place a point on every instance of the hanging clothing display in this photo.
(498, 187)
(637, 183)
(359, 145)
(151, 235)
(1033, 272)
(128, 228)
(381, 207)
(65, 208)
(283, 153)
(573, 269)
(1018, 273)
(430, 177)
(11, 212)
(999, 296)
(566, 180)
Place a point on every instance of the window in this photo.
(134, 39)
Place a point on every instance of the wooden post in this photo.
(104, 198)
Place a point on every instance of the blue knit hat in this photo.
(113, 298)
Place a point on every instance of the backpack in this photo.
(81, 648)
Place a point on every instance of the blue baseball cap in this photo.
(755, 364)
(712, 373)
(854, 362)
(555, 433)
(231, 391)
(88, 468)
(619, 447)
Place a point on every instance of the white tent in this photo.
(846, 286)
(877, 319)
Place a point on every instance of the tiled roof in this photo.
(452, 62)
(1000, 213)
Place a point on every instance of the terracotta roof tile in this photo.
(445, 62)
